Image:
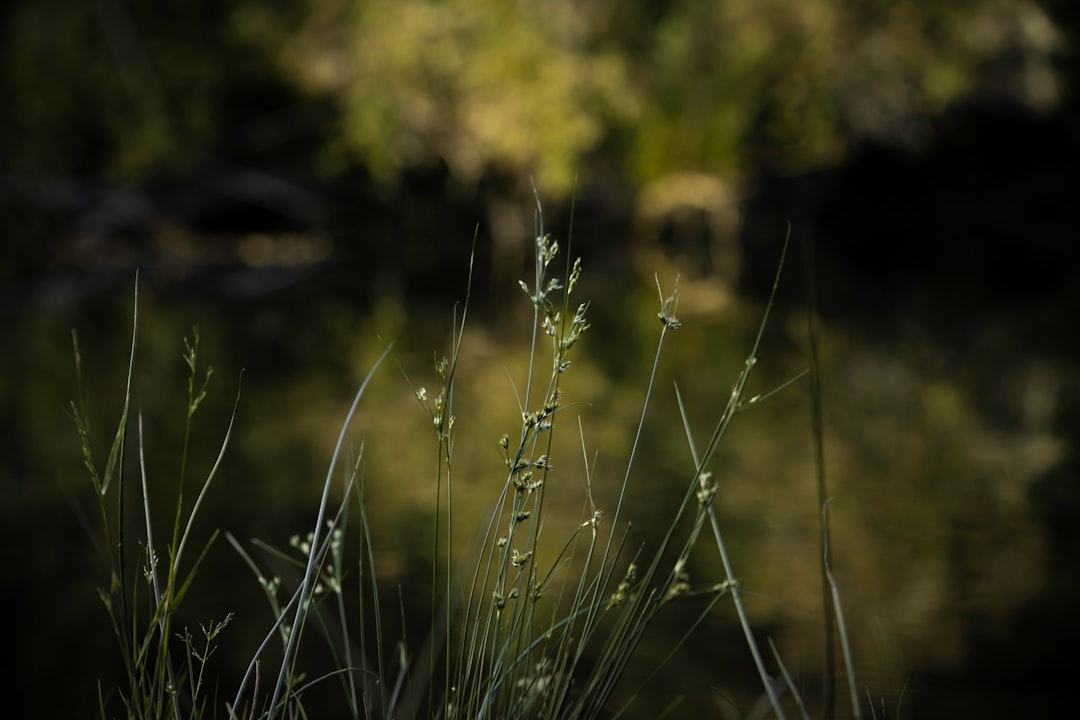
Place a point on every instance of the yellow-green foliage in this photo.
(545, 87)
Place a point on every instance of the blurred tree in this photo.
(128, 89)
(484, 85)
(739, 83)
(504, 87)
(717, 87)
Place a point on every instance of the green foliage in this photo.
(501, 86)
(488, 85)
(684, 86)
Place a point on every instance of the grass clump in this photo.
(158, 681)
(530, 626)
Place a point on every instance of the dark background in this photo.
(299, 179)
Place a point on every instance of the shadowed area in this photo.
(305, 183)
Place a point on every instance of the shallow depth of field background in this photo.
(304, 181)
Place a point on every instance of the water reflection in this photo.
(934, 539)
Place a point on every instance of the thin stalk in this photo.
(787, 679)
(206, 484)
(744, 620)
(845, 646)
(828, 690)
(369, 548)
(151, 562)
(306, 585)
(733, 407)
(446, 448)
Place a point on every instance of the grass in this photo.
(530, 626)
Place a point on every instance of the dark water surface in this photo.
(951, 408)
(950, 468)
